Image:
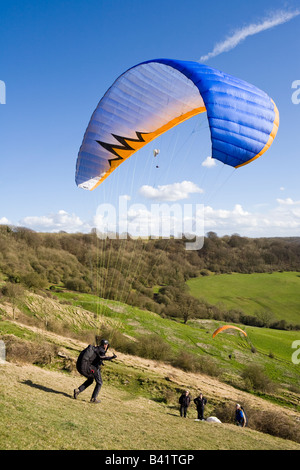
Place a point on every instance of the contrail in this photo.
(240, 35)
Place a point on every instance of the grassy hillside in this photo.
(60, 292)
(190, 345)
(46, 331)
(38, 412)
(256, 294)
(147, 334)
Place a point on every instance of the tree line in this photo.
(150, 274)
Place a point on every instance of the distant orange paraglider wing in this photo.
(226, 327)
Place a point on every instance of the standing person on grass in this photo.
(88, 364)
(200, 401)
(184, 402)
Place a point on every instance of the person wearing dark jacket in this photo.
(200, 401)
(184, 401)
(94, 372)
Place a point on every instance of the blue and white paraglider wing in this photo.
(154, 96)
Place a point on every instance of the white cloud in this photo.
(170, 192)
(4, 221)
(209, 162)
(288, 201)
(281, 220)
(61, 220)
(275, 19)
(125, 197)
(165, 219)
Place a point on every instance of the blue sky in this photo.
(57, 60)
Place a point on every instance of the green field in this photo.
(277, 292)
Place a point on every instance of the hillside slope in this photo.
(38, 410)
(144, 273)
(139, 408)
(39, 413)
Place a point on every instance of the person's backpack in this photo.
(85, 359)
(245, 423)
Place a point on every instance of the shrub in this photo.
(269, 422)
(225, 412)
(117, 340)
(256, 379)
(276, 424)
(18, 350)
(34, 280)
(77, 284)
(208, 366)
(153, 347)
(184, 361)
(189, 362)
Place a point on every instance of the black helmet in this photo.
(103, 342)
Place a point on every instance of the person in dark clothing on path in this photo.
(184, 401)
(200, 401)
(92, 370)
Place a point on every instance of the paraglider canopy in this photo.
(152, 97)
(226, 327)
(213, 419)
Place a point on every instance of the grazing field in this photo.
(277, 293)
